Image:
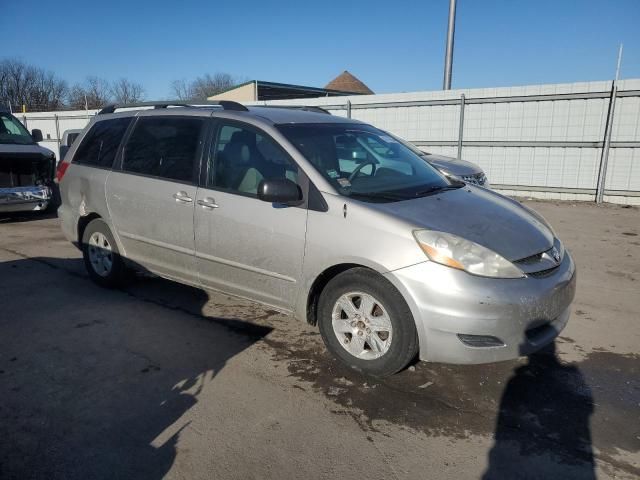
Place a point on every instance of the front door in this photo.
(151, 198)
(246, 246)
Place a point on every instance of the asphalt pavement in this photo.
(160, 380)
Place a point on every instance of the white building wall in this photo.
(554, 149)
(54, 124)
(555, 144)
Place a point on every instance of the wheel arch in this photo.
(83, 221)
(320, 283)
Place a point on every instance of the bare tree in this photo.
(126, 91)
(202, 87)
(180, 90)
(36, 88)
(95, 92)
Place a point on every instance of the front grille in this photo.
(539, 265)
(24, 170)
(543, 273)
(475, 179)
(532, 260)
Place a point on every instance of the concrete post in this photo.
(461, 127)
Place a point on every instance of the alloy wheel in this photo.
(362, 325)
(100, 254)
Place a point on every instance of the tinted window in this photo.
(72, 138)
(164, 147)
(100, 145)
(242, 157)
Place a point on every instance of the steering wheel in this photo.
(360, 167)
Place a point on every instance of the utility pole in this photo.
(448, 57)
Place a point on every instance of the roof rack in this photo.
(225, 104)
(306, 108)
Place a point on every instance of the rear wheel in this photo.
(366, 323)
(101, 257)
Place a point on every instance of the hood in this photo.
(13, 149)
(452, 165)
(479, 215)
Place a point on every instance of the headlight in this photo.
(449, 174)
(456, 252)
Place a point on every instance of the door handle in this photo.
(182, 197)
(208, 202)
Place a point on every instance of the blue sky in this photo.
(391, 46)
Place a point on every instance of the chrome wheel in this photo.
(100, 254)
(362, 325)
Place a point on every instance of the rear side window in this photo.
(100, 145)
(164, 147)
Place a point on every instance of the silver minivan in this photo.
(325, 218)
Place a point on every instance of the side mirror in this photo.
(36, 134)
(280, 190)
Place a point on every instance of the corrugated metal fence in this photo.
(541, 140)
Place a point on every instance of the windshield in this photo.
(12, 131)
(363, 162)
(411, 146)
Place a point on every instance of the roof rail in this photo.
(316, 109)
(306, 108)
(225, 104)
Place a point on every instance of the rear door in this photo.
(243, 245)
(151, 197)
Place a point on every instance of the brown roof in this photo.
(345, 82)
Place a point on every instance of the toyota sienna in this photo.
(328, 219)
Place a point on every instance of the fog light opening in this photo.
(480, 341)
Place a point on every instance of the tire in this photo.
(104, 265)
(386, 336)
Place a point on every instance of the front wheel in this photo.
(366, 323)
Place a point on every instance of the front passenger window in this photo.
(242, 157)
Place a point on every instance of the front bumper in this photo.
(23, 199)
(524, 314)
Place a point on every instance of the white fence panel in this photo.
(541, 140)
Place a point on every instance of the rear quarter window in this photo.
(101, 143)
(164, 147)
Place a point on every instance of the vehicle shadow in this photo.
(99, 383)
(19, 217)
(542, 429)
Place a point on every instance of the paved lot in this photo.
(163, 380)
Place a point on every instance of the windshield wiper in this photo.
(437, 189)
(382, 196)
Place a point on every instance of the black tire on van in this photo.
(366, 323)
(101, 256)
